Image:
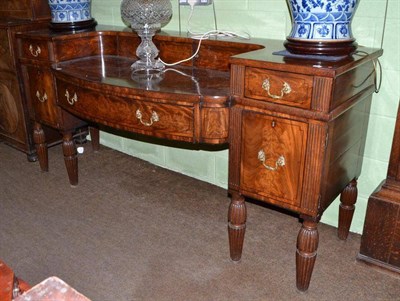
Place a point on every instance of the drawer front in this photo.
(34, 49)
(279, 87)
(272, 157)
(42, 96)
(142, 116)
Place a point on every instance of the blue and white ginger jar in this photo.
(66, 11)
(322, 20)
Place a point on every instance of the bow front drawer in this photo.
(279, 87)
(144, 116)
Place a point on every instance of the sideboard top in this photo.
(265, 53)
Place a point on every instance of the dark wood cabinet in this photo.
(15, 126)
(17, 16)
(25, 9)
(380, 242)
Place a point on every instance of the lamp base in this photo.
(329, 48)
(148, 66)
(73, 26)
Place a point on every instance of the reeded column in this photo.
(237, 215)
(348, 199)
(70, 158)
(306, 254)
(41, 147)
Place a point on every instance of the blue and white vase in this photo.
(322, 22)
(70, 11)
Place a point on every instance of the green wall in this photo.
(372, 26)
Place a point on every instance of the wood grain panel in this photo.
(352, 82)
(275, 137)
(42, 96)
(347, 136)
(214, 124)
(394, 165)
(235, 138)
(34, 49)
(25, 9)
(317, 134)
(376, 239)
(394, 258)
(300, 85)
(174, 122)
(237, 80)
(6, 58)
(322, 93)
(85, 45)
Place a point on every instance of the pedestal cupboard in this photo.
(17, 16)
(297, 136)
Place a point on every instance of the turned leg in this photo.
(70, 158)
(95, 137)
(41, 147)
(307, 245)
(348, 198)
(236, 225)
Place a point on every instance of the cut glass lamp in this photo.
(146, 17)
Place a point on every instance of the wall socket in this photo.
(195, 2)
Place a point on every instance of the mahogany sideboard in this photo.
(17, 16)
(380, 242)
(296, 127)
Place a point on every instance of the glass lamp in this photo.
(146, 17)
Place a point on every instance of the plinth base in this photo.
(331, 48)
(73, 26)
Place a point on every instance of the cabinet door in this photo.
(272, 158)
(42, 96)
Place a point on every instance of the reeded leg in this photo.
(306, 254)
(70, 158)
(348, 198)
(236, 225)
(41, 147)
(95, 137)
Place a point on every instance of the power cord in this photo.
(205, 36)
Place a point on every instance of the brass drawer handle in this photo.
(279, 163)
(286, 89)
(34, 52)
(40, 97)
(154, 118)
(71, 100)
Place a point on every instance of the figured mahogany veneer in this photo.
(15, 126)
(296, 128)
(193, 104)
(25, 9)
(297, 135)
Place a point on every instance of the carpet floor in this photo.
(133, 231)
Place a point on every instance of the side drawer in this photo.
(42, 96)
(34, 49)
(278, 87)
(272, 158)
(145, 116)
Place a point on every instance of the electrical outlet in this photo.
(195, 2)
